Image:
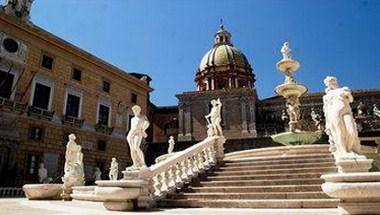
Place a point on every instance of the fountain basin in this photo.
(297, 138)
(43, 191)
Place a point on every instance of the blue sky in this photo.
(167, 38)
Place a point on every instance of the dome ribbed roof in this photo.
(224, 55)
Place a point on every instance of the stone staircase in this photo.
(277, 177)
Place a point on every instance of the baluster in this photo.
(206, 157)
(194, 162)
(178, 173)
(171, 177)
(164, 180)
(184, 170)
(157, 185)
(200, 161)
(211, 152)
(190, 172)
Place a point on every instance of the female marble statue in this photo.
(73, 170)
(139, 123)
(214, 117)
(114, 170)
(171, 144)
(340, 123)
(74, 158)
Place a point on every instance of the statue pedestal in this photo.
(359, 192)
(361, 164)
(121, 195)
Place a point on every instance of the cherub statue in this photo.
(340, 123)
(171, 144)
(214, 117)
(114, 170)
(139, 123)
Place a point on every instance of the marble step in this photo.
(249, 203)
(264, 177)
(261, 182)
(278, 157)
(254, 189)
(278, 162)
(274, 195)
(274, 171)
(277, 166)
(280, 151)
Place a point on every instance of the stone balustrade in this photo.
(153, 183)
(173, 172)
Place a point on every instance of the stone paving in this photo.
(22, 206)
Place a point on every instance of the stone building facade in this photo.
(48, 89)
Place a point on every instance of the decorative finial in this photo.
(221, 24)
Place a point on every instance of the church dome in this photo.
(224, 66)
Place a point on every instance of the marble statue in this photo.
(139, 123)
(316, 118)
(285, 50)
(19, 8)
(42, 173)
(114, 170)
(214, 117)
(171, 144)
(360, 109)
(340, 123)
(73, 169)
(97, 174)
(376, 111)
(293, 109)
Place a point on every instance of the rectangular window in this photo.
(72, 105)
(103, 115)
(32, 164)
(41, 96)
(102, 145)
(76, 74)
(6, 82)
(106, 86)
(133, 98)
(47, 62)
(35, 133)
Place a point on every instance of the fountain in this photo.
(292, 91)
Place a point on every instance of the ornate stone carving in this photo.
(74, 174)
(139, 123)
(316, 118)
(285, 50)
(214, 117)
(19, 8)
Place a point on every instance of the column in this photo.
(212, 84)
(243, 104)
(180, 121)
(230, 82)
(252, 119)
(236, 83)
(187, 126)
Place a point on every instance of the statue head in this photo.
(113, 159)
(72, 137)
(136, 110)
(42, 165)
(331, 82)
(213, 102)
(171, 138)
